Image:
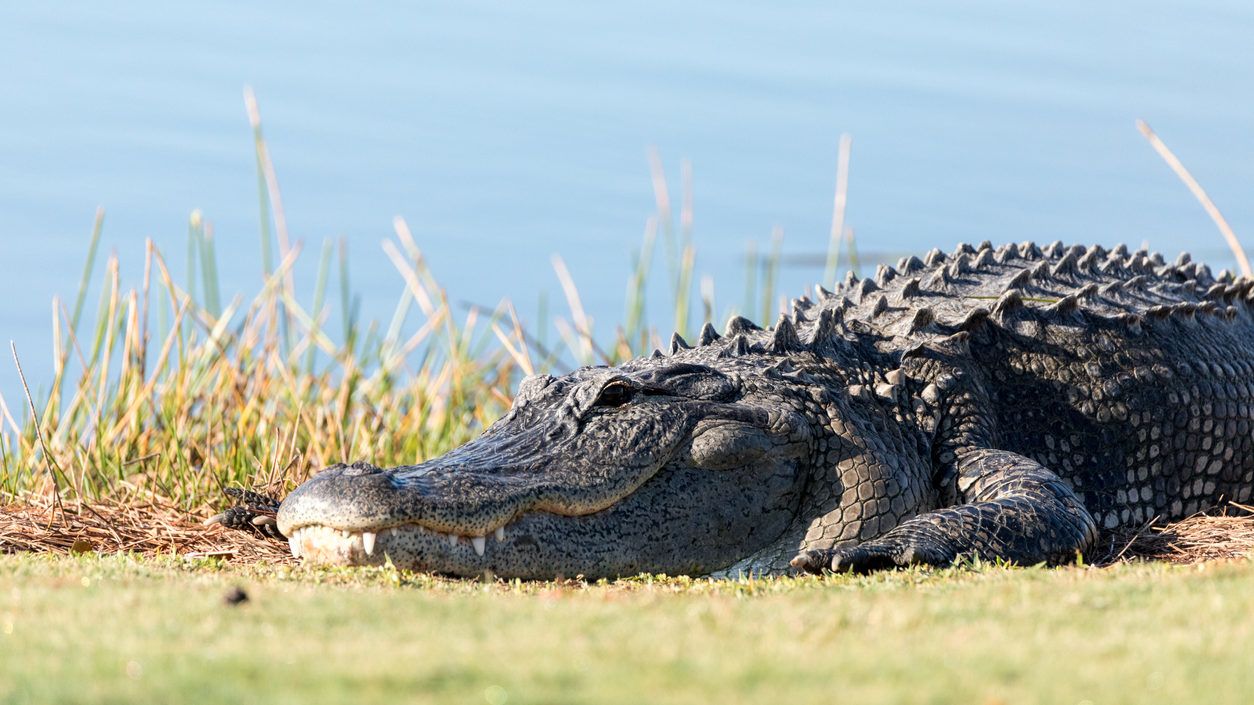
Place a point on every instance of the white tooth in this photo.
(367, 542)
(394, 531)
(500, 533)
(294, 544)
(452, 540)
(480, 543)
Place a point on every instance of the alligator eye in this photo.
(615, 394)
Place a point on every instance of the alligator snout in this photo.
(340, 496)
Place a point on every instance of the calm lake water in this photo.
(507, 133)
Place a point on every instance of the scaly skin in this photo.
(1008, 403)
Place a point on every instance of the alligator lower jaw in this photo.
(405, 544)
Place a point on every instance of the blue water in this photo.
(505, 133)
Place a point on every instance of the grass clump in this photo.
(174, 394)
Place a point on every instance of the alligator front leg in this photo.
(252, 512)
(1015, 510)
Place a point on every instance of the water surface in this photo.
(506, 133)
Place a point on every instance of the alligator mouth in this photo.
(624, 538)
(507, 527)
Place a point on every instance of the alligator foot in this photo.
(869, 557)
(252, 512)
(1015, 510)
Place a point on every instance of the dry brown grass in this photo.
(148, 526)
(1222, 534)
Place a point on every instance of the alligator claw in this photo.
(807, 562)
(867, 558)
(862, 559)
(253, 511)
(884, 553)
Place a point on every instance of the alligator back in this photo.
(1131, 378)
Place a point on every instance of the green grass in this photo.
(119, 629)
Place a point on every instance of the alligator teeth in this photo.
(452, 540)
(394, 531)
(480, 543)
(294, 543)
(500, 533)
(367, 542)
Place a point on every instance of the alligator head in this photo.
(674, 467)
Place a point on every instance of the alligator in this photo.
(1017, 404)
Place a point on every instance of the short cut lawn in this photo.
(137, 630)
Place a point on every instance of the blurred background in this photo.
(506, 133)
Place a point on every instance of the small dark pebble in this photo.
(235, 596)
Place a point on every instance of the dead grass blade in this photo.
(1200, 194)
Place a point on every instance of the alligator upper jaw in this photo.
(472, 491)
(359, 516)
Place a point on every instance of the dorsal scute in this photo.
(978, 288)
(784, 337)
(963, 249)
(1029, 250)
(884, 274)
(678, 343)
(737, 325)
(863, 288)
(708, 334)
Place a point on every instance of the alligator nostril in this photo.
(360, 468)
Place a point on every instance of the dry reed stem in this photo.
(685, 195)
(272, 181)
(406, 238)
(49, 458)
(839, 203)
(583, 325)
(661, 192)
(1199, 193)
